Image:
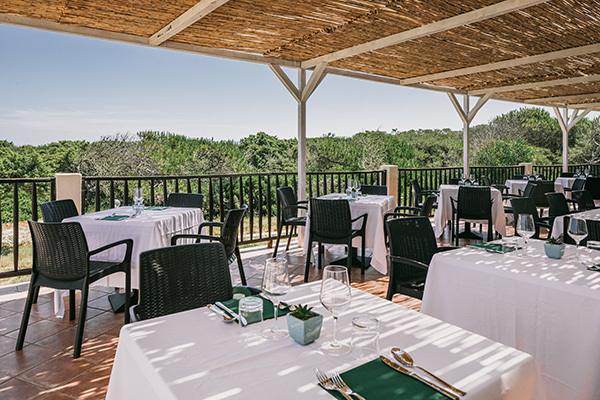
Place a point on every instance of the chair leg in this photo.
(127, 294)
(320, 255)
(349, 260)
(308, 252)
(37, 293)
(490, 235)
(71, 305)
(364, 258)
(81, 324)
(456, 231)
(278, 238)
(240, 265)
(287, 248)
(26, 314)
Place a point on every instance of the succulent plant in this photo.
(558, 240)
(303, 312)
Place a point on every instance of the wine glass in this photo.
(578, 231)
(586, 172)
(276, 283)
(138, 195)
(357, 186)
(335, 297)
(350, 186)
(463, 178)
(525, 228)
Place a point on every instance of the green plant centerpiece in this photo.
(554, 247)
(304, 325)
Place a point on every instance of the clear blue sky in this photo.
(63, 87)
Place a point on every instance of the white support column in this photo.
(466, 125)
(301, 137)
(566, 123)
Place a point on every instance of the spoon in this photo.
(405, 359)
(216, 310)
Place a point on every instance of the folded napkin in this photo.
(496, 247)
(375, 380)
(157, 208)
(114, 217)
(268, 308)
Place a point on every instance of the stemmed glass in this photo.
(578, 231)
(463, 178)
(276, 283)
(357, 186)
(138, 201)
(350, 186)
(525, 228)
(335, 297)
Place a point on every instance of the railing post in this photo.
(68, 186)
(528, 168)
(391, 180)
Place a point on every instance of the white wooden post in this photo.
(68, 186)
(391, 180)
(466, 125)
(566, 123)
(301, 137)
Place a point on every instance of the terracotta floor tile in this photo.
(40, 330)
(16, 389)
(101, 302)
(104, 322)
(61, 341)
(17, 362)
(12, 322)
(56, 371)
(19, 304)
(5, 313)
(7, 345)
(53, 395)
(91, 385)
(99, 348)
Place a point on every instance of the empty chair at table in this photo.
(62, 260)
(516, 177)
(567, 174)
(406, 211)
(473, 203)
(187, 200)
(453, 181)
(485, 181)
(412, 245)
(331, 223)
(526, 205)
(289, 214)
(57, 210)
(228, 236)
(539, 195)
(578, 184)
(374, 189)
(592, 184)
(583, 200)
(420, 193)
(558, 205)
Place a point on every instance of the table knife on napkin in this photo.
(231, 313)
(405, 371)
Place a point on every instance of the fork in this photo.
(327, 384)
(341, 385)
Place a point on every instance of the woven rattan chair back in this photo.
(592, 185)
(57, 210)
(428, 205)
(567, 174)
(474, 202)
(579, 184)
(524, 205)
(485, 181)
(412, 238)
(231, 226)
(184, 277)
(374, 189)
(584, 200)
(593, 228)
(529, 189)
(330, 218)
(539, 193)
(59, 250)
(187, 200)
(287, 198)
(454, 181)
(517, 177)
(558, 204)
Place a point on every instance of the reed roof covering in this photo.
(533, 51)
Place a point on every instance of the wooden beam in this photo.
(316, 77)
(480, 103)
(515, 62)
(186, 19)
(559, 99)
(461, 113)
(287, 82)
(576, 117)
(481, 14)
(537, 85)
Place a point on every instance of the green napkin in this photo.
(375, 380)
(268, 308)
(157, 208)
(492, 246)
(114, 217)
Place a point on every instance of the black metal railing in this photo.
(19, 201)
(551, 172)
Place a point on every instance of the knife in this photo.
(403, 370)
(235, 316)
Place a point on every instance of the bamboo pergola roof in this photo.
(531, 51)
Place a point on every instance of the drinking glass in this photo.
(276, 283)
(251, 309)
(578, 231)
(335, 297)
(357, 185)
(463, 178)
(525, 228)
(365, 337)
(472, 178)
(586, 172)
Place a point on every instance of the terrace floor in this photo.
(45, 369)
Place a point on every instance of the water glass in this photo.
(509, 244)
(251, 309)
(276, 283)
(525, 228)
(365, 337)
(335, 297)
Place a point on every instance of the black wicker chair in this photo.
(331, 223)
(406, 211)
(412, 245)
(180, 278)
(579, 184)
(374, 189)
(539, 195)
(289, 214)
(453, 181)
(567, 174)
(61, 260)
(517, 177)
(228, 236)
(526, 205)
(583, 199)
(419, 193)
(187, 200)
(57, 210)
(558, 205)
(592, 185)
(473, 203)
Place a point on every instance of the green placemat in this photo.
(496, 247)
(268, 309)
(157, 208)
(375, 380)
(114, 217)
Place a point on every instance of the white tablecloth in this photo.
(515, 185)
(191, 355)
(547, 308)
(444, 211)
(558, 226)
(375, 206)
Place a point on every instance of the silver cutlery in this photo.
(217, 310)
(327, 384)
(340, 384)
(231, 313)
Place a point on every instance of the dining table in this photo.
(376, 206)
(443, 213)
(545, 307)
(194, 355)
(558, 224)
(516, 186)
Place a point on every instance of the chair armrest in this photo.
(211, 223)
(302, 202)
(399, 209)
(128, 242)
(544, 225)
(175, 238)
(294, 207)
(133, 314)
(430, 191)
(364, 223)
(412, 263)
(246, 290)
(445, 248)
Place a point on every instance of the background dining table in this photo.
(558, 225)
(192, 355)
(545, 307)
(516, 185)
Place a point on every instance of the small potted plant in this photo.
(304, 325)
(554, 247)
